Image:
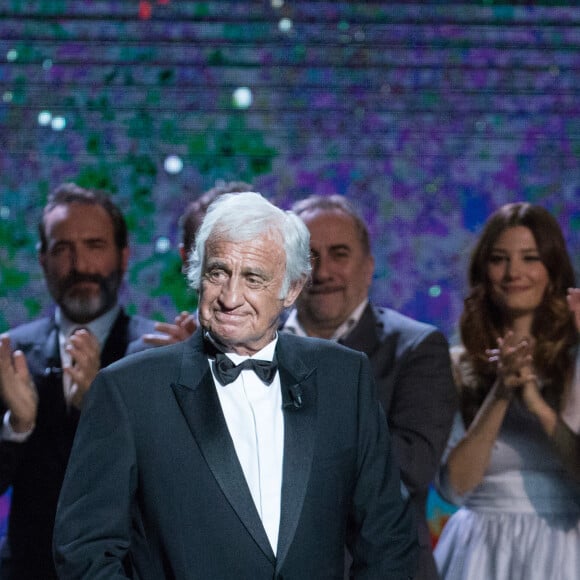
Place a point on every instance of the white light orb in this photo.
(242, 97)
(173, 164)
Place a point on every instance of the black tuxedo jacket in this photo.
(154, 489)
(35, 469)
(412, 371)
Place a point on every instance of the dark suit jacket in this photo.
(154, 489)
(411, 367)
(35, 469)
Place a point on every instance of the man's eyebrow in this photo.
(87, 240)
(94, 239)
(216, 263)
(255, 271)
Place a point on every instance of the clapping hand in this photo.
(184, 326)
(85, 352)
(514, 364)
(17, 388)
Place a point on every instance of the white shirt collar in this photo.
(293, 325)
(100, 327)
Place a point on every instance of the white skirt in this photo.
(495, 545)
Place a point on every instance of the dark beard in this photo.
(81, 307)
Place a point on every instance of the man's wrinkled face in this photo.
(82, 264)
(240, 300)
(341, 272)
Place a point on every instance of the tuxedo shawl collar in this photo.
(199, 403)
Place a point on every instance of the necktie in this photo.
(227, 371)
(68, 361)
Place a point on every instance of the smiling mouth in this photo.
(85, 283)
(328, 290)
(222, 316)
(515, 289)
(82, 286)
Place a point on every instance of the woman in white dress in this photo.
(512, 462)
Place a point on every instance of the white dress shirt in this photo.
(253, 413)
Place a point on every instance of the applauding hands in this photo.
(17, 388)
(183, 327)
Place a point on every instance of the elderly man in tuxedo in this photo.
(409, 359)
(239, 453)
(83, 252)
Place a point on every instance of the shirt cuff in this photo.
(8, 434)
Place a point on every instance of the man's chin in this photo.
(226, 332)
(83, 310)
(319, 310)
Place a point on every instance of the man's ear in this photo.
(42, 260)
(183, 254)
(294, 291)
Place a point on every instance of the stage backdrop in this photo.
(428, 115)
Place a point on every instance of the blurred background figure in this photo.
(512, 450)
(84, 253)
(185, 323)
(410, 360)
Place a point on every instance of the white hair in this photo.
(243, 216)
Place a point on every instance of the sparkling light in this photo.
(285, 25)
(162, 245)
(435, 291)
(173, 164)
(4, 212)
(58, 123)
(44, 118)
(12, 55)
(277, 3)
(242, 97)
(7, 96)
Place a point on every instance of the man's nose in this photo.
(80, 260)
(232, 293)
(321, 268)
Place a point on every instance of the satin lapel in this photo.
(300, 411)
(201, 408)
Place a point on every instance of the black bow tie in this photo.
(227, 371)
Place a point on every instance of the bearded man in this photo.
(48, 365)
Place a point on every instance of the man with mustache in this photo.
(409, 359)
(48, 365)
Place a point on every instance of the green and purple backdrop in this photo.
(428, 115)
